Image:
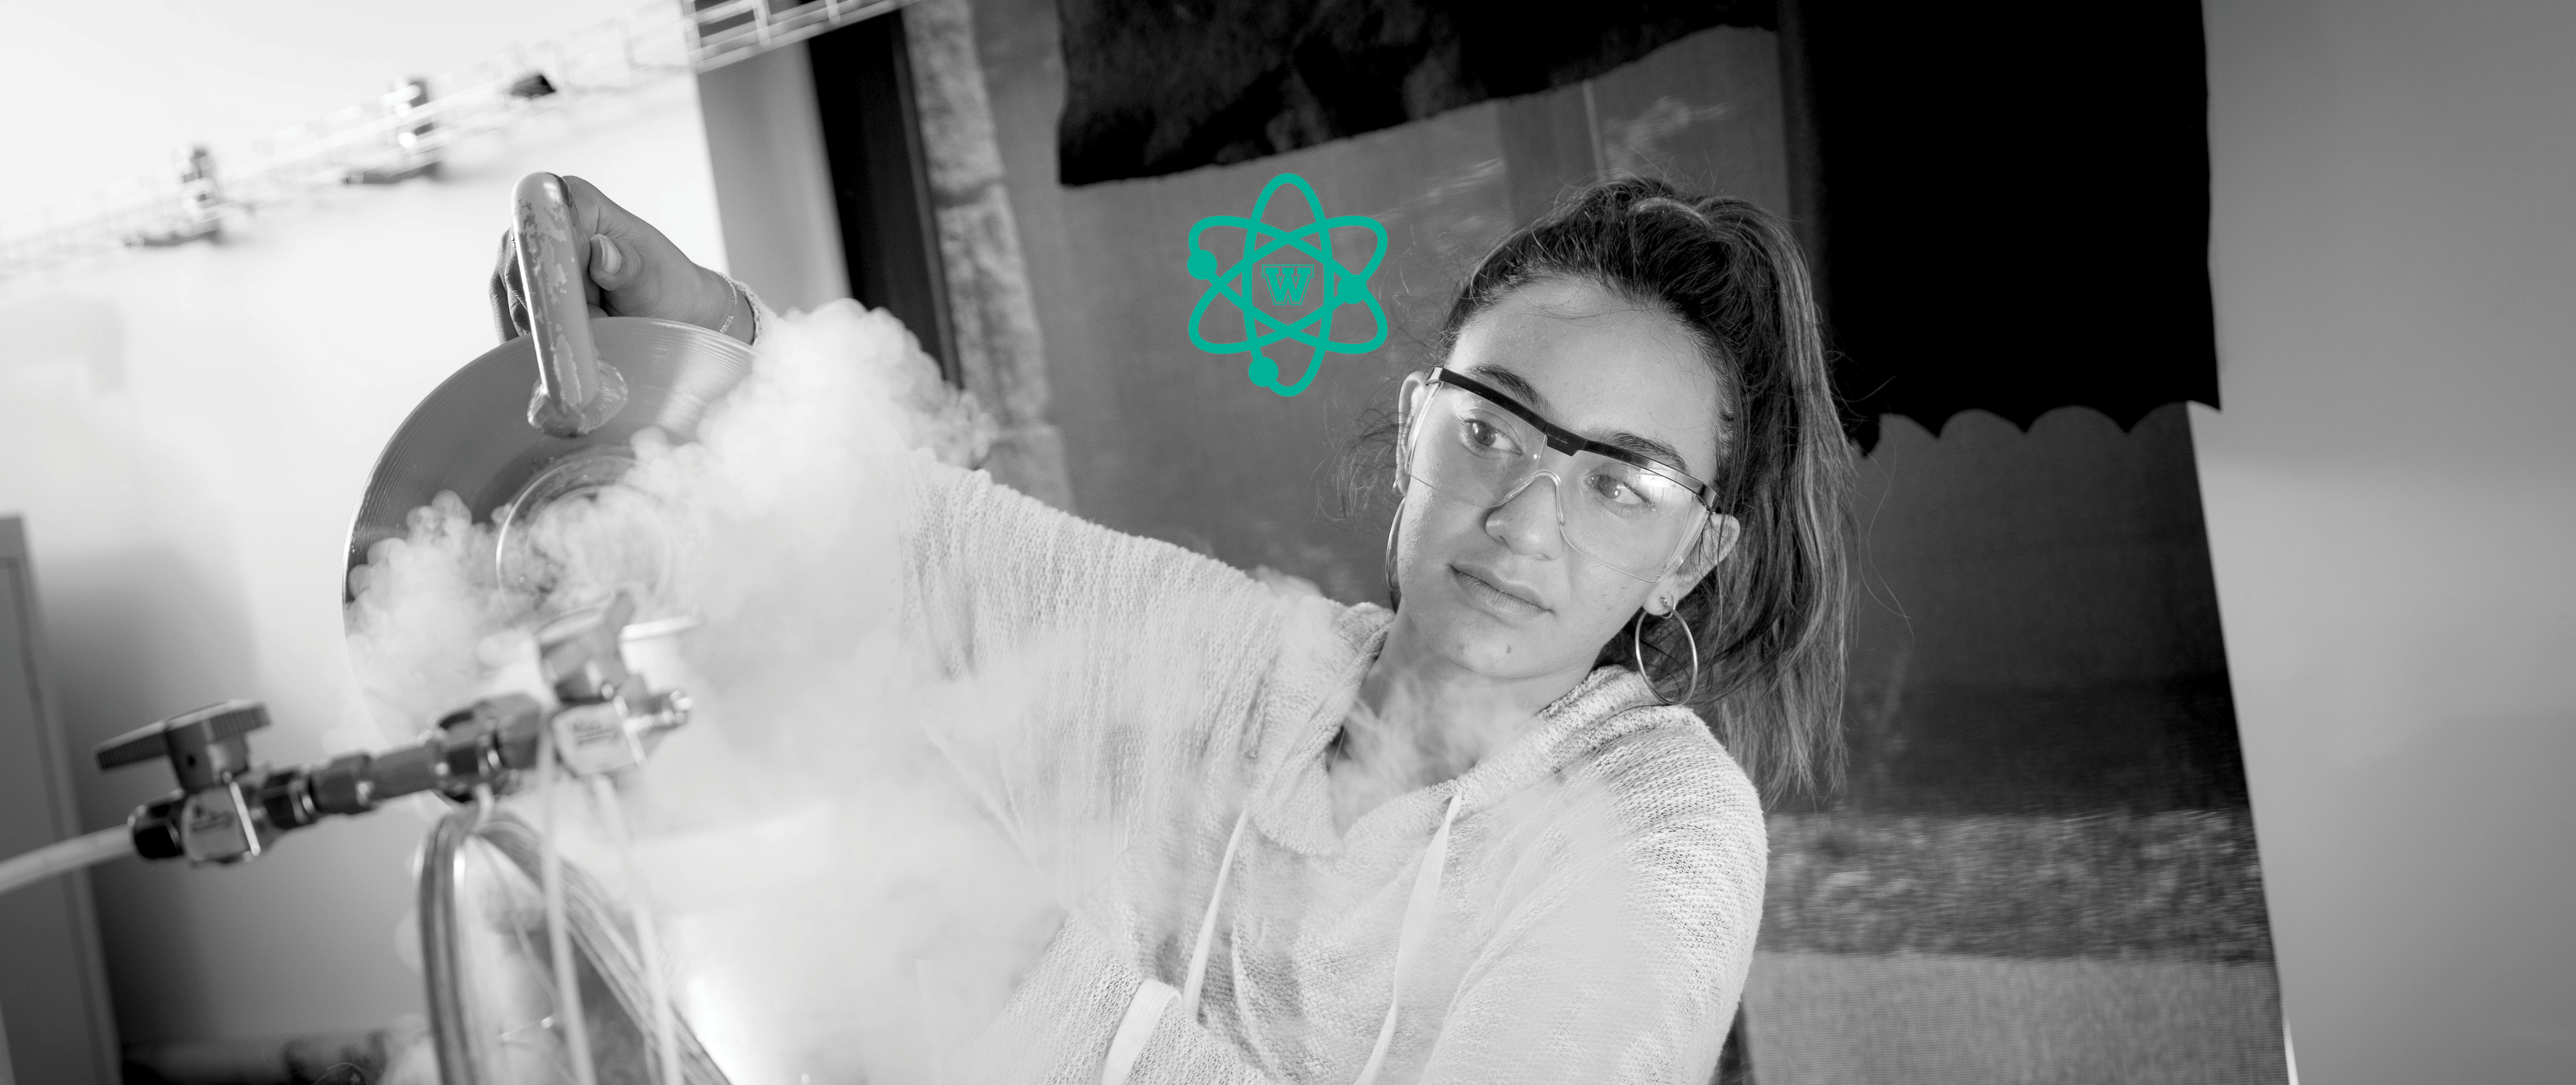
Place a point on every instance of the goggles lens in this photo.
(1633, 519)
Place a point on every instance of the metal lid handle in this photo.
(577, 392)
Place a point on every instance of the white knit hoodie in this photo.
(1603, 870)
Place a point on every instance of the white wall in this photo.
(188, 431)
(2392, 514)
(765, 139)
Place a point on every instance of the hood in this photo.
(1327, 649)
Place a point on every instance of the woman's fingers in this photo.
(509, 315)
(608, 264)
(635, 270)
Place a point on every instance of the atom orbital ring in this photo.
(1349, 287)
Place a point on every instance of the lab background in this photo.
(2205, 672)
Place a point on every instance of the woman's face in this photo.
(1496, 591)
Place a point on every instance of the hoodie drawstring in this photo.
(1417, 923)
(1418, 911)
(1146, 1007)
(1207, 924)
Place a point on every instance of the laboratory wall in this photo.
(187, 431)
(1165, 440)
(2390, 504)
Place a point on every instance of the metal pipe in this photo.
(460, 1047)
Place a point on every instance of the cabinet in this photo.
(56, 1026)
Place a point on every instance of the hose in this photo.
(648, 944)
(65, 857)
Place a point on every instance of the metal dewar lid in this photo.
(598, 381)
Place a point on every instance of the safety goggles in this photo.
(1616, 506)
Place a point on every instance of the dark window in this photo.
(880, 181)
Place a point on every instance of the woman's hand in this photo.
(629, 268)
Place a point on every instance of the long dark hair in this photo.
(1770, 619)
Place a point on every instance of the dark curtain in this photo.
(2012, 203)
(1156, 88)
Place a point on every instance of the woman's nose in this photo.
(1526, 521)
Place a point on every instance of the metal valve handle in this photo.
(210, 819)
(204, 747)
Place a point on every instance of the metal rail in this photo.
(405, 132)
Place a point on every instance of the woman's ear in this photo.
(1408, 399)
(1716, 542)
(1723, 532)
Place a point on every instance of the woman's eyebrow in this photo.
(1522, 390)
(1648, 447)
(1511, 382)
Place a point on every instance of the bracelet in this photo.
(733, 293)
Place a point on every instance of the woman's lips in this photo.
(1493, 600)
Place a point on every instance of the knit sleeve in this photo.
(1644, 998)
(1129, 656)
(1628, 967)
(991, 572)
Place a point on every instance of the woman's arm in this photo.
(1112, 672)
(994, 578)
(990, 570)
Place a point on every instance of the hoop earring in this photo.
(1638, 654)
(1394, 595)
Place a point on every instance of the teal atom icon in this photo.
(1330, 285)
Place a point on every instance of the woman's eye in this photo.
(1483, 435)
(1617, 491)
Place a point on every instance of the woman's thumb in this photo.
(610, 267)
